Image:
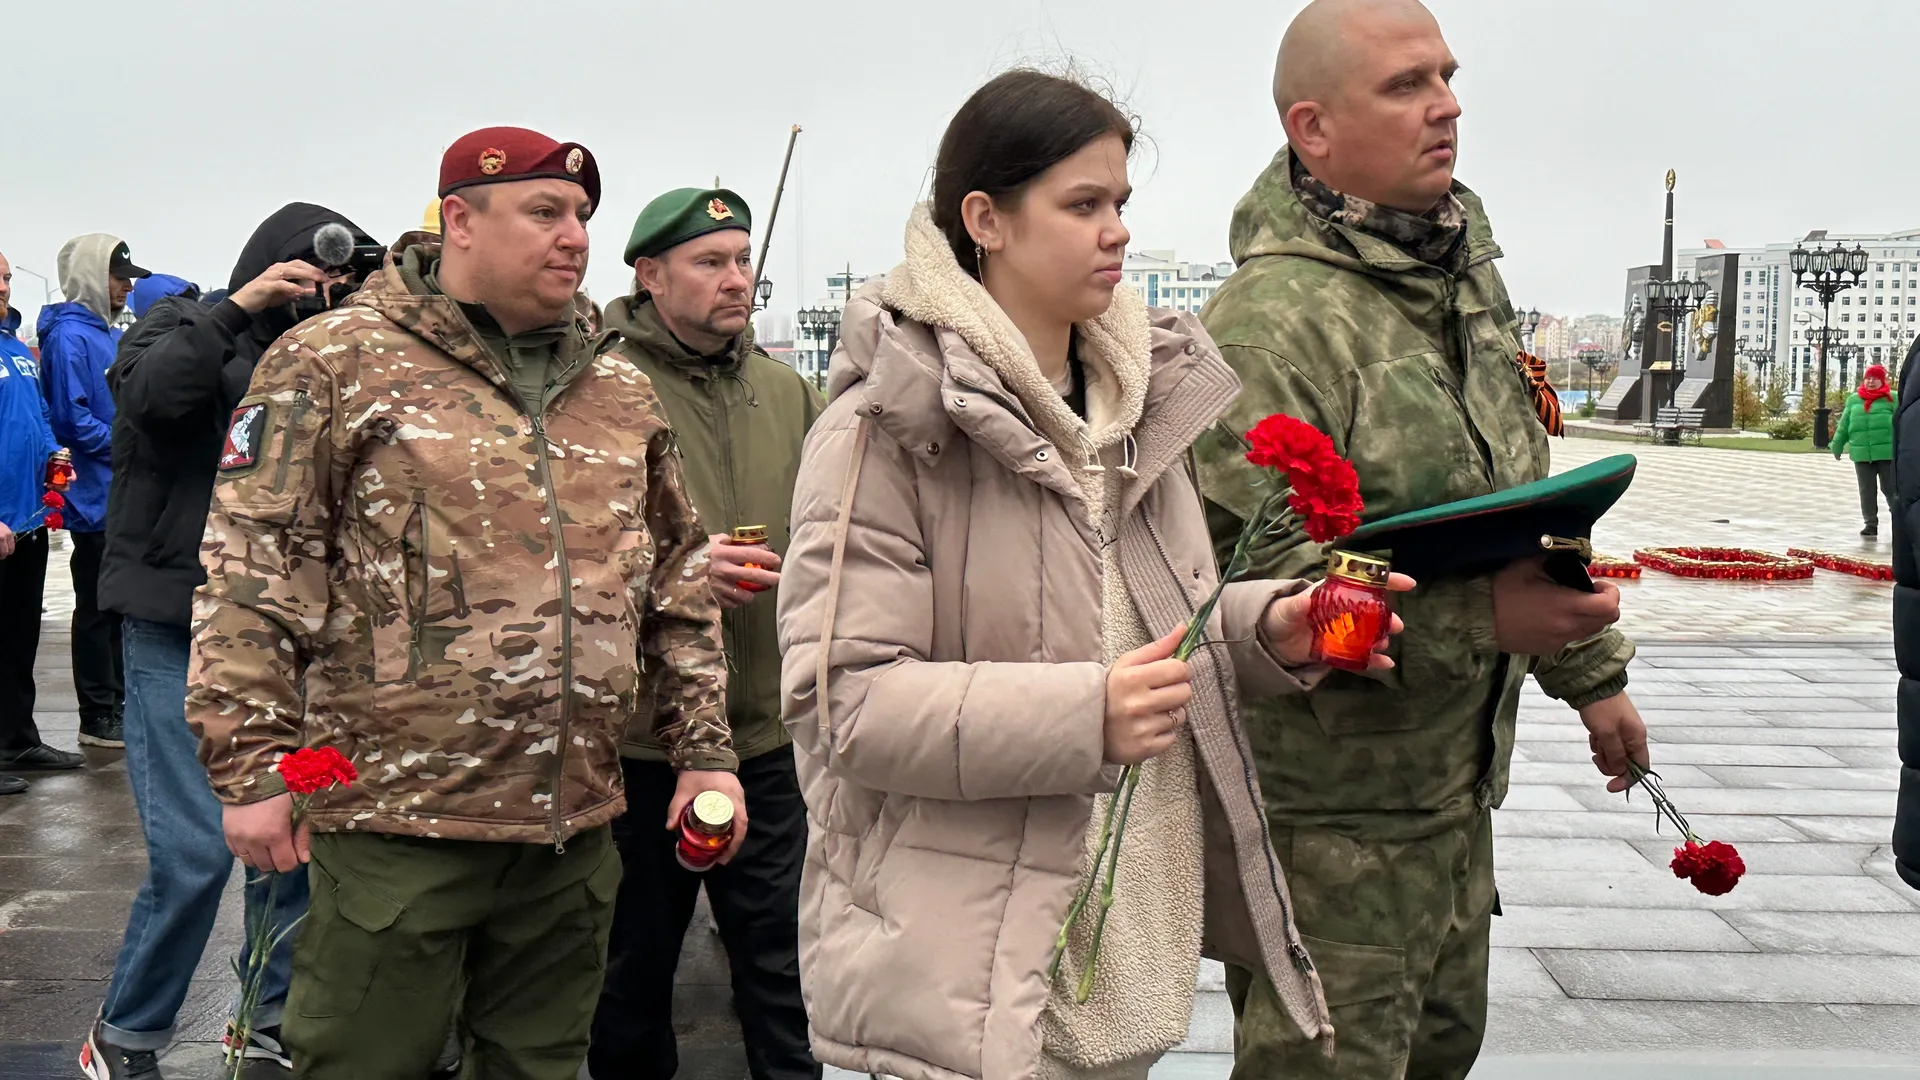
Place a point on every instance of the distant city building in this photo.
(1165, 282)
(1881, 316)
(813, 337)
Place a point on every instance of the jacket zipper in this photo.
(1463, 348)
(558, 535)
(1296, 950)
(300, 402)
(416, 612)
(722, 425)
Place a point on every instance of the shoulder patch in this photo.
(244, 436)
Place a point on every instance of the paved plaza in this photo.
(1772, 712)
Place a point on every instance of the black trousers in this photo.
(97, 679)
(756, 901)
(23, 579)
(1869, 473)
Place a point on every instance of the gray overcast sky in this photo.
(180, 126)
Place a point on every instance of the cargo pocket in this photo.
(1368, 996)
(343, 942)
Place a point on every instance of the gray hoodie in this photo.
(83, 273)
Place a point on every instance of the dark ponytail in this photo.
(1010, 131)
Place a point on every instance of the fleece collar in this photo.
(1115, 348)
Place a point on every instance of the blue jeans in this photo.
(187, 857)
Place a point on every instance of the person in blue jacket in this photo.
(26, 442)
(77, 343)
(155, 287)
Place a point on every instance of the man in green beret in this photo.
(1366, 303)
(739, 417)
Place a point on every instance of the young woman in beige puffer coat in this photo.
(996, 531)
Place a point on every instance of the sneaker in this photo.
(12, 785)
(42, 757)
(107, 731)
(101, 1060)
(263, 1044)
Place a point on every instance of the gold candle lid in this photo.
(712, 812)
(750, 534)
(1355, 567)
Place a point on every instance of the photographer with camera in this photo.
(177, 377)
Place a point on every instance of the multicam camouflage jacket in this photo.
(403, 564)
(1411, 369)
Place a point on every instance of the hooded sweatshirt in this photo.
(77, 343)
(149, 290)
(184, 367)
(26, 440)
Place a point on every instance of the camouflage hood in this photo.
(1271, 220)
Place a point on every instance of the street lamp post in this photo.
(1826, 271)
(1593, 358)
(1669, 302)
(820, 323)
(1529, 322)
(762, 293)
(1758, 357)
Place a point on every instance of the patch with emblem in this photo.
(492, 161)
(718, 210)
(244, 436)
(576, 160)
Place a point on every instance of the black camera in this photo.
(337, 251)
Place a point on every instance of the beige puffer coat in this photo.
(953, 555)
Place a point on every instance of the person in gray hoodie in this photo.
(77, 343)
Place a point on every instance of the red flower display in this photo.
(52, 500)
(1845, 564)
(1714, 868)
(1609, 567)
(1725, 564)
(56, 521)
(1326, 490)
(315, 769)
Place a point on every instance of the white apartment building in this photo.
(1165, 282)
(1881, 316)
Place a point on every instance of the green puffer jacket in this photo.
(739, 421)
(1866, 434)
(1412, 371)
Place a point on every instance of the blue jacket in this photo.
(26, 440)
(154, 286)
(76, 348)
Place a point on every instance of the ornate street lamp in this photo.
(762, 294)
(1827, 272)
(1529, 322)
(820, 323)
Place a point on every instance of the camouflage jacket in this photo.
(461, 597)
(1412, 371)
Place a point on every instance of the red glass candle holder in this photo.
(1349, 614)
(60, 469)
(751, 536)
(706, 831)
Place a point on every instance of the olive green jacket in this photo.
(1412, 372)
(739, 420)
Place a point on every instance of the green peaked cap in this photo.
(683, 214)
(1490, 530)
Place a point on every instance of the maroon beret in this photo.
(497, 155)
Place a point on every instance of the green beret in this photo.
(679, 216)
(1552, 517)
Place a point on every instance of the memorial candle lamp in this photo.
(750, 536)
(706, 831)
(1348, 612)
(60, 470)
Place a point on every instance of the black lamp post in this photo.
(1758, 357)
(1826, 271)
(1593, 358)
(821, 323)
(1529, 322)
(1669, 303)
(762, 293)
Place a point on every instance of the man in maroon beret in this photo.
(448, 539)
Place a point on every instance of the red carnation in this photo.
(52, 500)
(55, 521)
(1326, 490)
(1714, 868)
(316, 769)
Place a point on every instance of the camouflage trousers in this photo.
(403, 933)
(1398, 930)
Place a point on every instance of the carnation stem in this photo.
(1085, 988)
(1237, 565)
(1662, 806)
(1086, 889)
